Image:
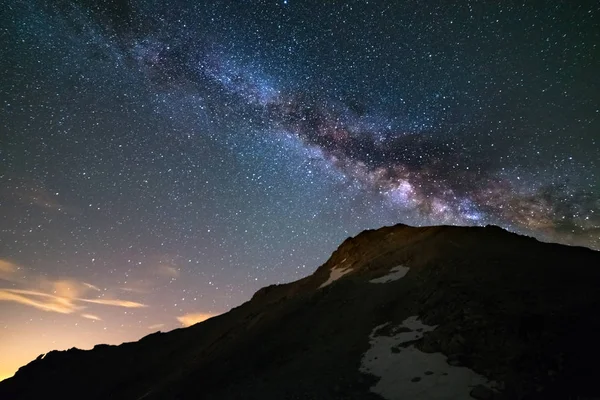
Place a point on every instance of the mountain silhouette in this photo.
(396, 313)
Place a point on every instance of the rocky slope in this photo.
(395, 313)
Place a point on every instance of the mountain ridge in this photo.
(503, 305)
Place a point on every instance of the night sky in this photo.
(161, 161)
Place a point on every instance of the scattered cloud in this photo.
(169, 271)
(57, 303)
(54, 304)
(7, 266)
(114, 302)
(69, 289)
(194, 318)
(152, 274)
(138, 286)
(64, 296)
(90, 286)
(92, 317)
(7, 269)
(155, 326)
(133, 290)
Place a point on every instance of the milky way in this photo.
(161, 162)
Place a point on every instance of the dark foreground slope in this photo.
(519, 312)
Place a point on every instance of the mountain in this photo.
(397, 313)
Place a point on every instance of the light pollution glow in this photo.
(89, 305)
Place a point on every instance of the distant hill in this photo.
(396, 313)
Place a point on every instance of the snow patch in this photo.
(408, 373)
(335, 274)
(394, 274)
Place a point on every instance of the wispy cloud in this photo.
(64, 296)
(92, 317)
(57, 305)
(168, 271)
(90, 286)
(155, 326)
(114, 302)
(7, 269)
(194, 318)
(60, 304)
(139, 287)
(67, 288)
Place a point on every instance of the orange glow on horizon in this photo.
(41, 313)
(19, 347)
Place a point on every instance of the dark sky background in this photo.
(161, 161)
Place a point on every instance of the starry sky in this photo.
(161, 161)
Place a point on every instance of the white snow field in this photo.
(335, 274)
(394, 274)
(408, 373)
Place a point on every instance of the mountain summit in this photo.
(395, 313)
